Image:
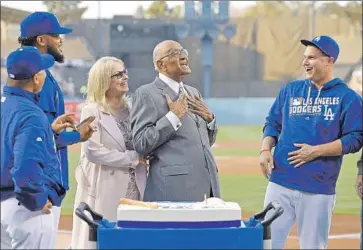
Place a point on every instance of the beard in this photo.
(58, 57)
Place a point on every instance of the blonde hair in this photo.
(99, 78)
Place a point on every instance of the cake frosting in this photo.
(210, 213)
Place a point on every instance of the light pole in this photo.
(312, 19)
(99, 24)
(207, 26)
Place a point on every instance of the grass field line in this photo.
(355, 236)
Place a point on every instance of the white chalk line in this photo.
(355, 236)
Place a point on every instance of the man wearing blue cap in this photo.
(312, 123)
(31, 182)
(42, 29)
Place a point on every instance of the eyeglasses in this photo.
(121, 74)
(176, 53)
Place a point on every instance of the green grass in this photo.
(347, 200)
(236, 152)
(67, 207)
(239, 133)
(248, 190)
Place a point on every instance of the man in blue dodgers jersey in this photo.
(313, 123)
(42, 29)
(30, 173)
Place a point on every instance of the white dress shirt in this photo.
(174, 85)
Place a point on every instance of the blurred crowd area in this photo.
(71, 75)
(264, 54)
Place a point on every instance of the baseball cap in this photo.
(40, 23)
(26, 61)
(326, 44)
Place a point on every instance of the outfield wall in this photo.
(240, 111)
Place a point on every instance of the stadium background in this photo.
(247, 73)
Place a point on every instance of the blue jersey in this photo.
(52, 103)
(29, 165)
(304, 114)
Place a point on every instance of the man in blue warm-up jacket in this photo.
(42, 30)
(312, 123)
(31, 181)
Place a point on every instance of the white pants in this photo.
(56, 211)
(24, 229)
(312, 212)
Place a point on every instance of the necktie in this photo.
(181, 91)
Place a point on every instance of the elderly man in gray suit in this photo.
(174, 129)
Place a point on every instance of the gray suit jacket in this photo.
(182, 167)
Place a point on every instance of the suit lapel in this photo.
(109, 123)
(189, 91)
(165, 89)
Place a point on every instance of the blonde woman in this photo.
(109, 168)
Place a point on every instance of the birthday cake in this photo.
(210, 213)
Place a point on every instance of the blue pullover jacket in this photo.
(52, 103)
(29, 164)
(304, 114)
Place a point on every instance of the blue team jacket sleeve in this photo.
(351, 123)
(67, 138)
(27, 172)
(273, 124)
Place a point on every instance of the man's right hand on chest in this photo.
(179, 107)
